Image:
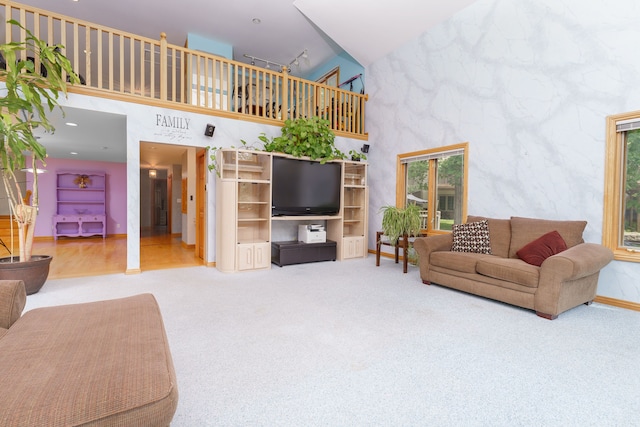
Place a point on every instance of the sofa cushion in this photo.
(471, 237)
(536, 252)
(499, 233)
(96, 363)
(526, 230)
(509, 269)
(464, 262)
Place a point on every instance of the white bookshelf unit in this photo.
(243, 211)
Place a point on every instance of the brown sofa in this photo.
(561, 282)
(101, 363)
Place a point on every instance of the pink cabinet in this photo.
(81, 204)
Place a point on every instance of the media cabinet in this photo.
(243, 211)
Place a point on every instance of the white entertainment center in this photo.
(248, 234)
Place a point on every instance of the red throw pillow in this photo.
(542, 248)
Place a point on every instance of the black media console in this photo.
(286, 253)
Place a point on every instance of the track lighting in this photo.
(296, 61)
(268, 62)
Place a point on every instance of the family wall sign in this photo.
(173, 128)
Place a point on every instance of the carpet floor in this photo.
(351, 344)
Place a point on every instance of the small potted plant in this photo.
(357, 156)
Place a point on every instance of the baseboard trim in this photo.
(187, 246)
(133, 271)
(617, 303)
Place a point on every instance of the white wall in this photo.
(528, 84)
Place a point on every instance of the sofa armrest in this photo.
(13, 298)
(576, 262)
(570, 278)
(424, 246)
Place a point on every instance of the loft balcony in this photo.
(124, 66)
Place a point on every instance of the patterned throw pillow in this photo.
(472, 237)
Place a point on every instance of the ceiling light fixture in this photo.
(152, 173)
(71, 124)
(30, 170)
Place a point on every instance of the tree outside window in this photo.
(436, 181)
(631, 233)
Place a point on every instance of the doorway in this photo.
(154, 206)
(163, 223)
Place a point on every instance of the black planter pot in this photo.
(33, 272)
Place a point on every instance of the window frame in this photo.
(614, 188)
(401, 185)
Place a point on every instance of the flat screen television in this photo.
(304, 187)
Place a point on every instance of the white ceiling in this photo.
(365, 29)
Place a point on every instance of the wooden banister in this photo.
(114, 62)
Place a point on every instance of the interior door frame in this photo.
(201, 197)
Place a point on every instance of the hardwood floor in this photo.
(94, 256)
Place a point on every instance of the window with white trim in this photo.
(621, 225)
(436, 180)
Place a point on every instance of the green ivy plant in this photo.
(305, 137)
(214, 165)
(302, 137)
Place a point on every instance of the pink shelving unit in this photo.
(81, 204)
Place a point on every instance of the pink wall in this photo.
(116, 193)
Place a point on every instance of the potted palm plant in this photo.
(34, 75)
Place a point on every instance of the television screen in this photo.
(304, 187)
